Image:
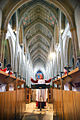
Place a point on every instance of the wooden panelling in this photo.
(34, 95)
(12, 104)
(28, 95)
(66, 104)
(50, 95)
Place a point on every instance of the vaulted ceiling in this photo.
(38, 19)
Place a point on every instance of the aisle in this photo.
(32, 113)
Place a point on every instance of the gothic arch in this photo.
(18, 63)
(61, 5)
(59, 62)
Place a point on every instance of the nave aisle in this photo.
(32, 113)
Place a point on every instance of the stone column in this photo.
(2, 39)
(17, 41)
(23, 53)
(20, 35)
(2, 45)
(1, 60)
(56, 34)
(75, 43)
(61, 43)
(57, 62)
(0, 18)
(52, 69)
(22, 65)
(27, 64)
(55, 65)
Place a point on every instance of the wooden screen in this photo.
(66, 104)
(12, 104)
(50, 95)
(28, 95)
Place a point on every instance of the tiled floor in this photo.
(32, 113)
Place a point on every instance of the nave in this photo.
(39, 59)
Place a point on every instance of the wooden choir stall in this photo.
(28, 95)
(12, 100)
(66, 101)
(50, 95)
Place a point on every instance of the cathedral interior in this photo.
(39, 35)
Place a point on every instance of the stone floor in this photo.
(32, 113)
